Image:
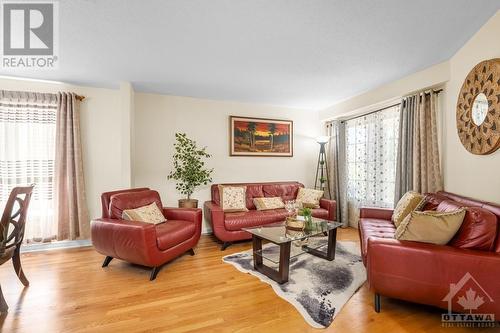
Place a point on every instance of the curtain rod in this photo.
(385, 108)
(371, 112)
(79, 97)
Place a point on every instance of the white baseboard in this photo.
(55, 245)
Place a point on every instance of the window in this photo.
(371, 149)
(27, 147)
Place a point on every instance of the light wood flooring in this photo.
(70, 292)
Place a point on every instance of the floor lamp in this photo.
(322, 181)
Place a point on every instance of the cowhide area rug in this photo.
(316, 287)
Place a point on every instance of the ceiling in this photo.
(303, 53)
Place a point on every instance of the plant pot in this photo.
(188, 203)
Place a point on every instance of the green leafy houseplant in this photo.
(189, 168)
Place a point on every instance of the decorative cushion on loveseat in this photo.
(233, 198)
(407, 204)
(430, 226)
(268, 203)
(309, 198)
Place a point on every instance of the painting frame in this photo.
(235, 151)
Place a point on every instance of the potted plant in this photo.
(189, 169)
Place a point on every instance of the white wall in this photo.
(432, 76)
(128, 137)
(158, 117)
(472, 175)
(464, 173)
(101, 135)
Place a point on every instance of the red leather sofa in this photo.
(139, 242)
(423, 272)
(227, 226)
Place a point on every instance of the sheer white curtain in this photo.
(27, 147)
(371, 149)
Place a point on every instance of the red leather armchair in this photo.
(227, 226)
(139, 242)
(422, 272)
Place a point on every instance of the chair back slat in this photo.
(21, 195)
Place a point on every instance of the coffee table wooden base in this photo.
(330, 251)
(281, 274)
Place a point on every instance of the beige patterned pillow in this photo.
(407, 204)
(233, 198)
(430, 226)
(268, 203)
(150, 214)
(309, 198)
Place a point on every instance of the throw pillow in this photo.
(268, 203)
(309, 198)
(150, 214)
(233, 198)
(430, 226)
(408, 203)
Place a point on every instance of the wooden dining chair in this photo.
(10, 244)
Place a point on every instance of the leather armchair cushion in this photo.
(478, 230)
(131, 200)
(253, 218)
(174, 232)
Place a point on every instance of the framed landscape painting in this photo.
(260, 137)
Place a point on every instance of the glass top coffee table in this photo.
(283, 236)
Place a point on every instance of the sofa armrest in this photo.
(215, 216)
(423, 272)
(128, 240)
(183, 214)
(331, 206)
(376, 213)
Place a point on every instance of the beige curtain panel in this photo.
(418, 167)
(71, 207)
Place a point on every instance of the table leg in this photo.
(330, 252)
(257, 246)
(280, 275)
(284, 261)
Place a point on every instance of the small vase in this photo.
(308, 222)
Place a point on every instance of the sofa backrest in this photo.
(285, 190)
(131, 200)
(469, 202)
(106, 198)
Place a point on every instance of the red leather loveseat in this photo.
(227, 226)
(139, 242)
(423, 272)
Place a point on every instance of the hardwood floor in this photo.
(70, 292)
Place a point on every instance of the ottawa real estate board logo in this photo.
(469, 296)
(30, 35)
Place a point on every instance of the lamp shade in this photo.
(323, 139)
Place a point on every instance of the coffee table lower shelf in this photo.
(281, 274)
